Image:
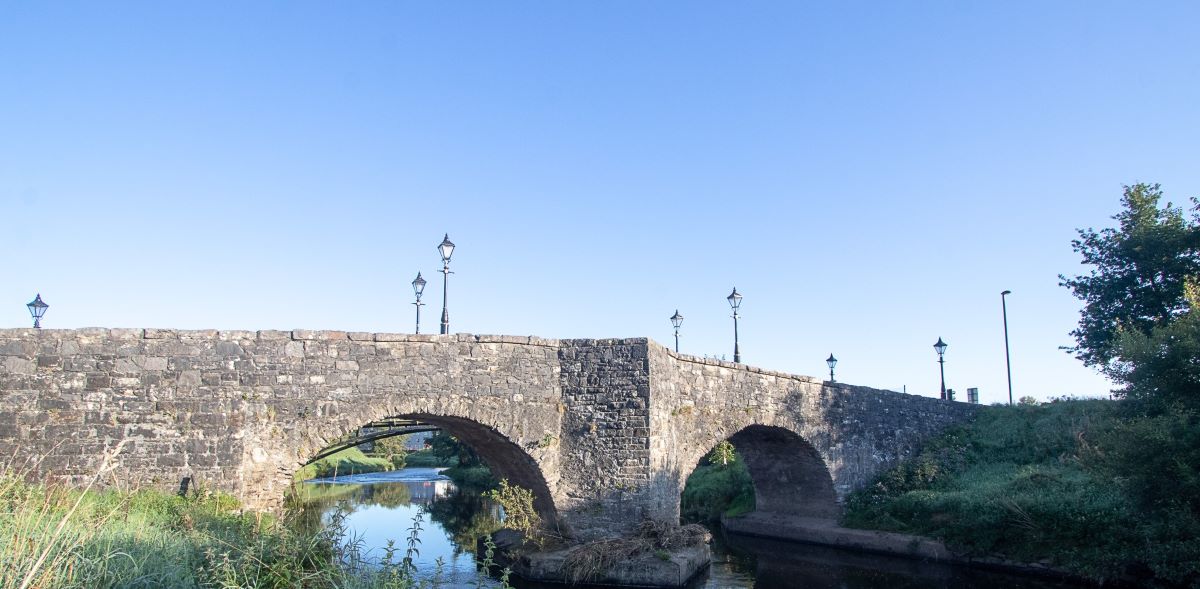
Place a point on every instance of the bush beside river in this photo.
(1082, 485)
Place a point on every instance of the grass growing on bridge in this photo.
(1077, 483)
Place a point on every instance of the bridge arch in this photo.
(788, 473)
(506, 458)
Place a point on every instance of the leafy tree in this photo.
(392, 449)
(450, 449)
(1139, 273)
(1161, 369)
(723, 454)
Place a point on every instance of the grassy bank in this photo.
(427, 459)
(1075, 483)
(147, 539)
(347, 462)
(52, 538)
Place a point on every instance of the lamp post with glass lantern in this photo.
(676, 320)
(831, 362)
(418, 287)
(446, 249)
(940, 347)
(735, 301)
(37, 308)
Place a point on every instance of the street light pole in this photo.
(418, 288)
(940, 347)
(735, 301)
(446, 249)
(1007, 361)
(831, 362)
(676, 320)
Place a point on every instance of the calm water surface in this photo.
(383, 507)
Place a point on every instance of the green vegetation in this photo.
(1063, 481)
(519, 513)
(721, 484)
(1140, 274)
(427, 459)
(1105, 489)
(392, 449)
(347, 462)
(52, 537)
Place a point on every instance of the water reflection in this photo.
(379, 507)
(745, 561)
(382, 507)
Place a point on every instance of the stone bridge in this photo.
(605, 432)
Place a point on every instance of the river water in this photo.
(383, 506)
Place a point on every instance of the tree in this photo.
(723, 454)
(393, 449)
(1140, 270)
(1162, 368)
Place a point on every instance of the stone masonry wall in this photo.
(604, 432)
(857, 431)
(241, 411)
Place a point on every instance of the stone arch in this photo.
(506, 458)
(789, 475)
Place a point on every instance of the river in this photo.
(378, 507)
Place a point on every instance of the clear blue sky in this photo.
(869, 175)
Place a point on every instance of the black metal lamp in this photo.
(735, 302)
(940, 347)
(831, 362)
(676, 320)
(446, 249)
(418, 288)
(37, 308)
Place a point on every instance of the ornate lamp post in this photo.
(1007, 361)
(418, 288)
(831, 362)
(447, 250)
(735, 301)
(37, 308)
(940, 347)
(676, 320)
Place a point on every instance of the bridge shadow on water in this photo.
(774, 564)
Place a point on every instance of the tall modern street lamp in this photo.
(37, 308)
(831, 362)
(735, 301)
(447, 250)
(1007, 361)
(941, 346)
(676, 320)
(418, 288)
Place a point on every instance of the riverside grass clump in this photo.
(55, 537)
(1070, 482)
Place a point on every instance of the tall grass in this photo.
(54, 537)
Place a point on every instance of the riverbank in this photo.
(1050, 485)
(53, 537)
